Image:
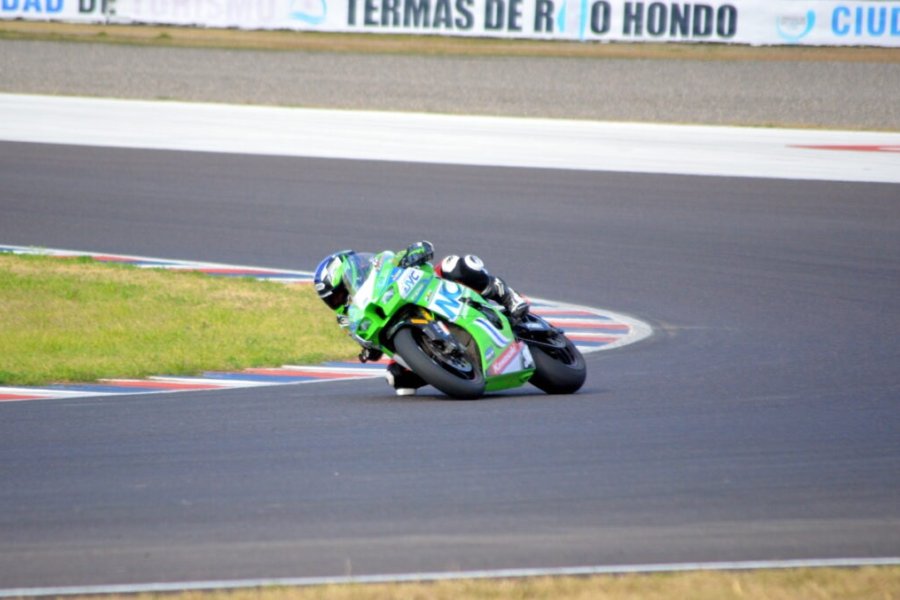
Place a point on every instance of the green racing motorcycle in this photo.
(450, 336)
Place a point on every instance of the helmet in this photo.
(329, 279)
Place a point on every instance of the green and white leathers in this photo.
(449, 335)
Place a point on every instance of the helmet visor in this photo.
(357, 268)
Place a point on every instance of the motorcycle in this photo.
(450, 336)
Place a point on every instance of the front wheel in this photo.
(558, 370)
(449, 376)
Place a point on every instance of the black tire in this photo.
(407, 346)
(562, 372)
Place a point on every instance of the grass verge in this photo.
(193, 37)
(76, 320)
(870, 583)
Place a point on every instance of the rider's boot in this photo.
(516, 306)
(404, 381)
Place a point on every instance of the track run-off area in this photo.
(758, 425)
(462, 140)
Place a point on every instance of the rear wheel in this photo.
(455, 374)
(559, 369)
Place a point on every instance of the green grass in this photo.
(74, 320)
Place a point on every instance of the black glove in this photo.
(368, 354)
(417, 254)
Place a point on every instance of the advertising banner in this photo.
(92, 11)
(754, 22)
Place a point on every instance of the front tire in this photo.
(558, 371)
(407, 345)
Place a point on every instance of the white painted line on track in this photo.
(456, 139)
(49, 394)
(153, 262)
(222, 383)
(141, 588)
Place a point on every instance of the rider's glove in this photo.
(417, 254)
(367, 354)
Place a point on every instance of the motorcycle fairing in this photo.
(383, 300)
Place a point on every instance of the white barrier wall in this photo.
(755, 22)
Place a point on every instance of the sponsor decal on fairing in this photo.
(496, 336)
(408, 281)
(446, 301)
(516, 357)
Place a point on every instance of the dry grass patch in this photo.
(869, 583)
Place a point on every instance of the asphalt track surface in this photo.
(760, 422)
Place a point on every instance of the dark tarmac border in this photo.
(762, 420)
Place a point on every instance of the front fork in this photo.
(435, 331)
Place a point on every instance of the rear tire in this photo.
(422, 364)
(561, 373)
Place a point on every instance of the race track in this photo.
(761, 421)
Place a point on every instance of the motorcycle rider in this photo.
(468, 270)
